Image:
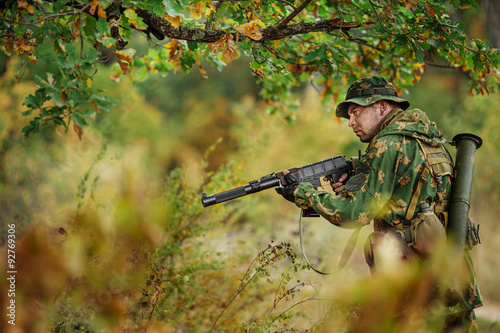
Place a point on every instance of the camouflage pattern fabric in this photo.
(384, 181)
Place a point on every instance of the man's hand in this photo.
(338, 185)
(288, 190)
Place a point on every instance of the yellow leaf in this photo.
(197, 10)
(208, 11)
(420, 67)
(115, 77)
(410, 3)
(76, 26)
(33, 58)
(89, 82)
(63, 48)
(78, 130)
(201, 69)
(9, 43)
(132, 18)
(175, 51)
(101, 12)
(175, 21)
(259, 23)
(227, 45)
(150, 66)
(23, 5)
(124, 60)
(229, 53)
(22, 45)
(251, 29)
(93, 6)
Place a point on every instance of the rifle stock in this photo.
(332, 168)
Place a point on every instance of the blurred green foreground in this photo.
(111, 235)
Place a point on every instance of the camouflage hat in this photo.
(367, 91)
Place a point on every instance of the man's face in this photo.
(364, 120)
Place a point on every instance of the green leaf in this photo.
(89, 26)
(479, 44)
(158, 8)
(418, 53)
(79, 120)
(59, 121)
(317, 53)
(58, 5)
(103, 103)
(172, 8)
(102, 26)
(33, 102)
(192, 45)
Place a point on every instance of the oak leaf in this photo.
(227, 46)
(124, 60)
(174, 53)
(101, 12)
(24, 5)
(201, 69)
(78, 131)
(174, 21)
(197, 10)
(9, 43)
(251, 29)
(135, 20)
(24, 45)
(430, 10)
(410, 4)
(93, 6)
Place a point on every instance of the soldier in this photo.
(404, 175)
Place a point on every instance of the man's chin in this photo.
(363, 138)
(360, 136)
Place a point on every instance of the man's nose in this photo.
(351, 121)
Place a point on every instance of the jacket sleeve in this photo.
(368, 191)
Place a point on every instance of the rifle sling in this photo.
(346, 254)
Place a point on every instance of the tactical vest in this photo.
(418, 232)
(438, 164)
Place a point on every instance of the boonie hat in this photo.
(367, 91)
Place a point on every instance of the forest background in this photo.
(111, 234)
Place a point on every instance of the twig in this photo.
(378, 18)
(240, 289)
(81, 36)
(303, 301)
(288, 3)
(208, 25)
(293, 14)
(276, 300)
(78, 12)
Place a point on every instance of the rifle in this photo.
(332, 168)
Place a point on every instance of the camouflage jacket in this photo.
(384, 181)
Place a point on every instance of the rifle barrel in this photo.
(252, 187)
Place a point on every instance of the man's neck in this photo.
(389, 119)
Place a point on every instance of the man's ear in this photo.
(383, 107)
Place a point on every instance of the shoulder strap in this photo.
(416, 194)
(440, 164)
